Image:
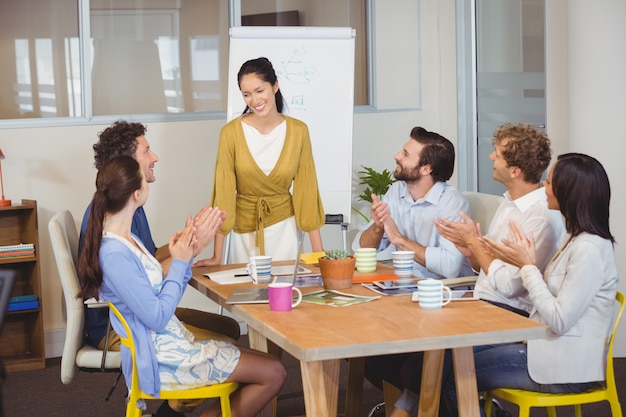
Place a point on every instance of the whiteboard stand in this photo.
(338, 220)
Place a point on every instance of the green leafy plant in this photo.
(375, 183)
(336, 254)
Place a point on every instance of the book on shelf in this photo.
(23, 302)
(20, 254)
(18, 247)
(22, 298)
(23, 250)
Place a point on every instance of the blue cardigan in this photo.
(97, 319)
(126, 285)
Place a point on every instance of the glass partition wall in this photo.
(510, 74)
(140, 57)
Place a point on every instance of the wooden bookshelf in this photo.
(21, 340)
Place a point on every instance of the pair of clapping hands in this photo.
(516, 249)
(197, 234)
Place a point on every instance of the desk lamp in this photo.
(3, 202)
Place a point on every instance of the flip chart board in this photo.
(315, 69)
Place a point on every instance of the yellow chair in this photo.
(222, 390)
(527, 399)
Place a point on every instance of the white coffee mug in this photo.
(260, 269)
(430, 294)
(403, 263)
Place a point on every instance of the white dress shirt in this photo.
(503, 284)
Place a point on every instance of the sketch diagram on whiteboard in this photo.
(294, 68)
(295, 71)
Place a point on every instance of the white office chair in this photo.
(76, 354)
(483, 207)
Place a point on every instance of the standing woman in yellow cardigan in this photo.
(262, 155)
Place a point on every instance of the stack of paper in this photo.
(23, 250)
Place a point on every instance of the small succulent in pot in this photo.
(337, 254)
(337, 269)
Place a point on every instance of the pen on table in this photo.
(242, 275)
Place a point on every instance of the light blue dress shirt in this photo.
(416, 221)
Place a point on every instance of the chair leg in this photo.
(524, 411)
(391, 394)
(108, 397)
(225, 404)
(132, 411)
(354, 391)
(616, 408)
(488, 403)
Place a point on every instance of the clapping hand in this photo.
(459, 233)
(517, 249)
(379, 211)
(182, 243)
(207, 223)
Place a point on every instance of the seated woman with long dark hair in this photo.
(116, 266)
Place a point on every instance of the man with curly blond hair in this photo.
(520, 157)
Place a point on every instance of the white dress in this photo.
(183, 361)
(281, 242)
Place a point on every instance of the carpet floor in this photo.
(41, 393)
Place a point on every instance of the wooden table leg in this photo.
(465, 378)
(354, 391)
(320, 384)
(432, 371)
(260, 342)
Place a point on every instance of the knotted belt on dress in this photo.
(263, 208)
(268, 210)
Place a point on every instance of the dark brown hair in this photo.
(581, 186)
(116, 181)
(438, 152)
(264, 69)
(118, 139)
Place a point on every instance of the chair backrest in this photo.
(76, 354)
(130, 344)
(610, 373)
(64, 239)
(483, 207)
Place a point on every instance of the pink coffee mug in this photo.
(281, 296)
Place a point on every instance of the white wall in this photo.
(586, 63)
(54, 165)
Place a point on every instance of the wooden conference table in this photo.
(320, 336)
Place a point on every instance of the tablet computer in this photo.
(397, 283)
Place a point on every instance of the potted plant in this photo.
(375, 183)
(337, 269)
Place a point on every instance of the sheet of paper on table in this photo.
(230, 276)
(238, 275)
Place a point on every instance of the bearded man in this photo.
(405, 216)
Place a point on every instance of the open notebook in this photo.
(259, 295)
